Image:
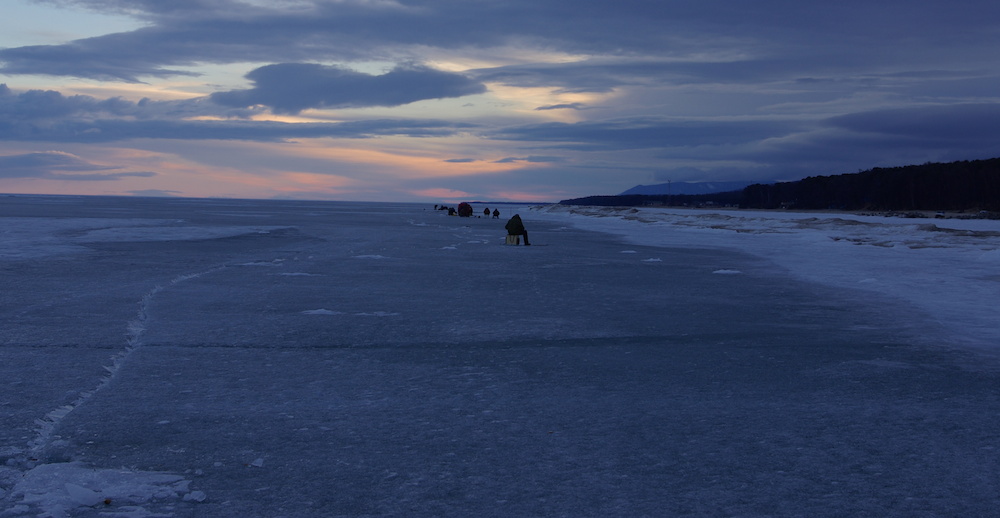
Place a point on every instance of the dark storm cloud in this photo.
(293, 87)
(54, 165)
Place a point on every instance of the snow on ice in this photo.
(177, 361)
(60, 490)
(948, 268)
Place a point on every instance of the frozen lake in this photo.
(228, 358)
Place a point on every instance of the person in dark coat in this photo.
(516, 228)
(496, 213)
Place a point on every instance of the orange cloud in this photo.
(401, 158)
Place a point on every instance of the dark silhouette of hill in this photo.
(731, 198)
(956, 186)
(686, 188)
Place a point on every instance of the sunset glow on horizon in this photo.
(519, 101)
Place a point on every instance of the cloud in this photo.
(39, 105)
(48, 160)
(529, 159)
(772, 89)
(49, 116)
(178, 34)
(155, 193)
(605, 74)
(97, 177)
(941, 123)
(49, 104)
(509, 160)
(100, 58)
(262, 131)
(441, 192)
(46, 164)
(565, 106)
(725, 38)
(646, 132)
(293, 87)
(869, 138)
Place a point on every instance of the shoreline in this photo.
(908, 214)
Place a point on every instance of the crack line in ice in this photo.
(133, 339)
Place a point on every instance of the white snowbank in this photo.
(949, 268)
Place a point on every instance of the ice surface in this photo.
(949, 269)
(64, 489)
(173, 357)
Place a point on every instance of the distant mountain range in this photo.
(687, 188)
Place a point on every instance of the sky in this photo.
(452, 100)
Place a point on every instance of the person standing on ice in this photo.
(516, 228)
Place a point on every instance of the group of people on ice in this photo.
(514, 226)
(465, 210)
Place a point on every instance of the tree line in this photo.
(955, 186)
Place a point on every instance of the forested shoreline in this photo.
(955, 186)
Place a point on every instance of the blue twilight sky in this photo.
(445, 100)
